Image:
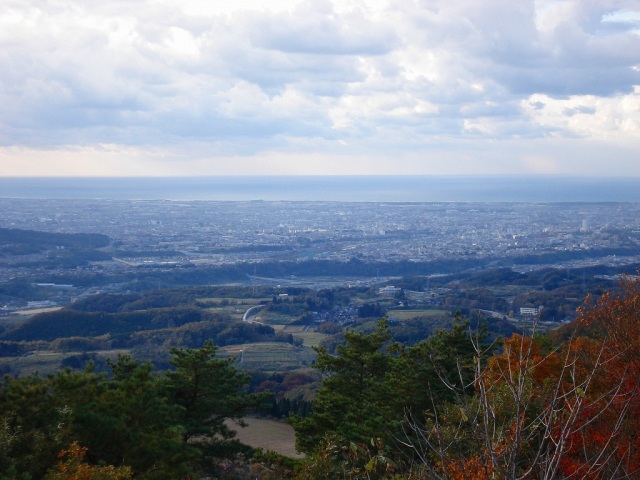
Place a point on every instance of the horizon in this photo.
(336, 188)
(329, 175)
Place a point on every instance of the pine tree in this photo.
(353, 401)
(209, 391)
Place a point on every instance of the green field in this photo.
(13, 320)
(236, 312)
(41, 362)
(234, 307)
(46, 361)
(310, 339)
(235, 300)
(273, 318)
(295, 329)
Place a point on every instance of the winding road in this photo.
(251, 313)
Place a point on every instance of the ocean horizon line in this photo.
(340, 188)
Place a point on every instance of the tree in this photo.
(209, 391)
(32, 427)
(370, 388)
(435, 370)
(129, 422)
(572, 411)
(353, 401)
(157, 427)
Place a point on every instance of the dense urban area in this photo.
(173, 233)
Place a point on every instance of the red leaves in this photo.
(582, 399)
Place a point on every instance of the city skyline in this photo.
(343, 87)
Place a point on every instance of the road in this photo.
(250, 314)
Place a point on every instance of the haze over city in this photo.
(168, 88)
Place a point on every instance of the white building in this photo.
(530, 311)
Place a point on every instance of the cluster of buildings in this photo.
(229, 232)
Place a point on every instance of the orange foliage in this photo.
(473, 468)
(483, 465)
(616, 319)
(592, 385)
(611, 418)
(521, 356)
(74, 467)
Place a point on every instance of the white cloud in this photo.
(588, 116)
(318, 86)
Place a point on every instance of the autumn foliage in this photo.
(569, 411)
(73, 467)
(536, 407)
(611, 419)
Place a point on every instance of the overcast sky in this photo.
(207, 87)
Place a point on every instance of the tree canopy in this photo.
(155, 426)
(454, 407)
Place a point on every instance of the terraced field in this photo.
(269, 356)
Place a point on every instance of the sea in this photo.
(526, 189)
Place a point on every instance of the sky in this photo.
(320, 87)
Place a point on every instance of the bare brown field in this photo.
(267, 434)
(35, 311)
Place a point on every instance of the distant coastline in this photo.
(533, 189)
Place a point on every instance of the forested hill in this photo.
(13, 236)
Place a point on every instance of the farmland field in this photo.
(310, 339)
(41, 362)
(269, 356)
(273, 318)
(35, 311)
(235, 300)
(407, 314)
(267, 434)
(234, 311)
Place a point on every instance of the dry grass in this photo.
(267, 434)
(35, 311)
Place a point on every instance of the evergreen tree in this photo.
(209, 391)
(128, 422)
(353, 401)
(32, 428)
(153, 427)
(435, 370)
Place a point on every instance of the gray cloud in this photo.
(328, 75)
